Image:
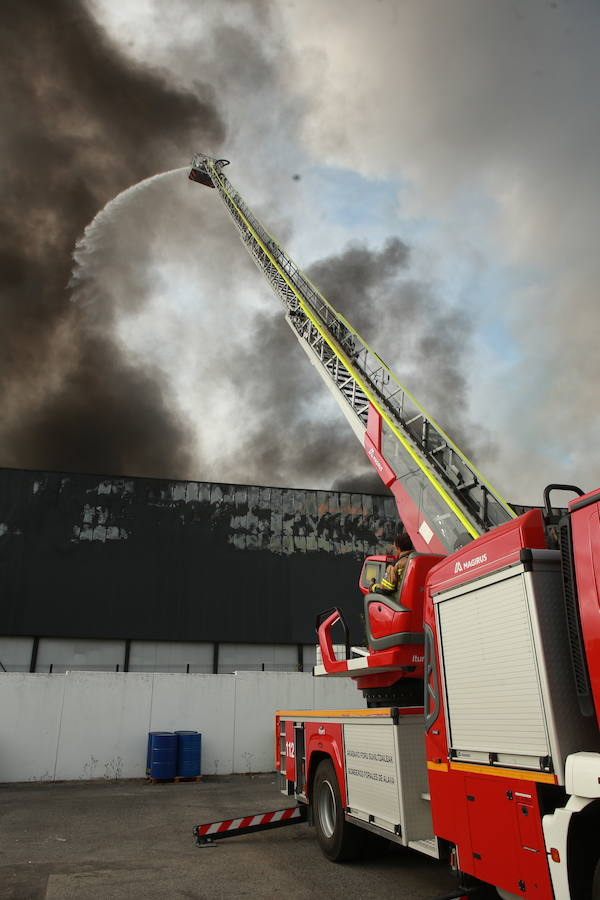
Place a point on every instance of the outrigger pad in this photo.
(214, 831)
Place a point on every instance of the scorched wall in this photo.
(122, 559)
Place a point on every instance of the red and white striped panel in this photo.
(229, 825)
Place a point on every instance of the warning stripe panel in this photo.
(229, 825)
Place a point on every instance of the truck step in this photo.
(429, 847)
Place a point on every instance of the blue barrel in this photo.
(163, 755)
(189, 753)
(149, 748)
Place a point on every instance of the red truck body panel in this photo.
(290, 758)
(493, 818)
(410, 515)
(490, 552)
(585, 525)
(326, 737)
(492, 815)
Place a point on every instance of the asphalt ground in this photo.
(131, 839)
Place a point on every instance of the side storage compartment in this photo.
(510, 694)
(386, 777)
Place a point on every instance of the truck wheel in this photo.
(338, 839)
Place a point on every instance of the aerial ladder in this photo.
(484, 748)
(442, 499)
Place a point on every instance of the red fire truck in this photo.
(480, 740)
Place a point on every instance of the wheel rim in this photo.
(327, 809)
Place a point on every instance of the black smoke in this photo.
(425, 340)
(291, 433)
(80, 122)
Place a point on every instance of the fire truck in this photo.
(479, 743)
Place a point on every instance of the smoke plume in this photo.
(488, 112)
(424, 340)
(285, 421)
(81, 122)
(174, 360)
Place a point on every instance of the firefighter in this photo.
(393, 573)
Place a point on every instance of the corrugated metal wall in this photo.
(150, 559)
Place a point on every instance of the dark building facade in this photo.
(150, 574)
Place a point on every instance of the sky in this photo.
(432, 166)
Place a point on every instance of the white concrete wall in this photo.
(95, 724)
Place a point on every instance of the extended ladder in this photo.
(442, 498)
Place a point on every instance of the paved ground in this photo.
(110, 841)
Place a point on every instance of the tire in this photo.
(338, 840)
